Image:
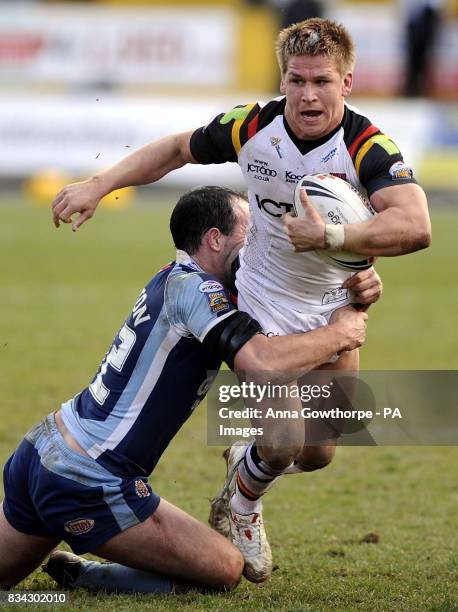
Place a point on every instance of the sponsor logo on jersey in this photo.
(275, 142)
(334, 295)
(290, 177)
(260, 171)
(209, 286)
(141, 489)
(399, 170)
(273, 208)
(79, 526)
(329, 155)
(218, 301)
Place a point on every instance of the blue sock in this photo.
(115, 578)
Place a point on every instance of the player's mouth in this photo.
(311, 115)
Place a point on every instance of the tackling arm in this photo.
(147, 165)
(284, 358)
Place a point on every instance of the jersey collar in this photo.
(186, 260)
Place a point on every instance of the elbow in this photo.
(416, 239)
(422, 239)
(422, 232)
(260, 369)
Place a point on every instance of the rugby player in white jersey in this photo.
(310, 129)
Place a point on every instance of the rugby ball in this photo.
(338, 202)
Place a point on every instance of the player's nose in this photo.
(308, 92)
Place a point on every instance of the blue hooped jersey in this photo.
(155, 373)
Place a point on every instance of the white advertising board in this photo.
(94, 45)
(85, 133)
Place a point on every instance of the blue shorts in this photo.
(50, 490)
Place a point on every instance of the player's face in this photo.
(235, 240)
(315, 92)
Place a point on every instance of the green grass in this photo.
(63, 298)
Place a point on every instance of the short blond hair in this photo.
(316, 37)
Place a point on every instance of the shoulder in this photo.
(187, 288)
(366, 143)
(243, 121)
(195, 302)
(185, 278)
(259, 117)
(358, 129)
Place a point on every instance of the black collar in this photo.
(305, 146)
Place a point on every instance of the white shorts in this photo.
(276, 320)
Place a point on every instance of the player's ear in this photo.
(347, 83)
(213, 238)
(283, 85)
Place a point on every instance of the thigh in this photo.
(20, 553)
(175, 544)
(344, 371)
(52, 491)
(321, 435)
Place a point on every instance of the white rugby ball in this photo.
(337, 202)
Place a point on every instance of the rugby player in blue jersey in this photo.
(81, 474)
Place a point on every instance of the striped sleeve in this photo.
(221, 140)
(378, 161)
(195, 303)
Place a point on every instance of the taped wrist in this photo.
(228, 337)
(334, 237)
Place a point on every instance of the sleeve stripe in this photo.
(253, 126)
(236, 126)
(367, 132)
(380, 139)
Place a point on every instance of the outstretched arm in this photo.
(147, 165)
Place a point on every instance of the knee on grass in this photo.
(231, 571)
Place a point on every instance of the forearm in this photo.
(147, 165)
(284, 358)
(306, 351)
(386, 235)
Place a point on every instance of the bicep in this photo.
(183, 143)
(252, 355)
(408, 198)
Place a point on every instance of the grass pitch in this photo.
(63, 298)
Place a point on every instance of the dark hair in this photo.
(199, 210)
